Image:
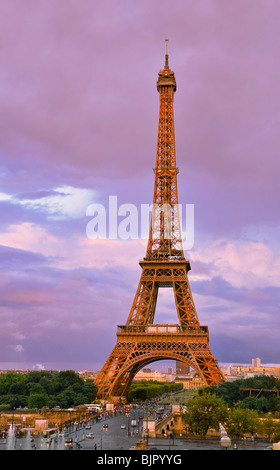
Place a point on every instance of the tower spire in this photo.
(166, 54)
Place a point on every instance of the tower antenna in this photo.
(166, 53)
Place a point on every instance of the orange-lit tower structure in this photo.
(140, 341)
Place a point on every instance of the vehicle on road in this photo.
(90, 436)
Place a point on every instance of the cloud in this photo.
(38, 367)
(18, 348)
(236, 292)
(243, 264)
(61, 104)
(41, 305)
(79, 117)
(61, 202)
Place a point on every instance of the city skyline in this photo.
(79, 122)
(162, 367)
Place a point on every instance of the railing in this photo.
(162, 329)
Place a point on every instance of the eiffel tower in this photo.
(140, 341)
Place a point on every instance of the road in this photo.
(118, 434)
(115, 437)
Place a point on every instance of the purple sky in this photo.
(78, 123)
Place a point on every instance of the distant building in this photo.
(87, 374)
(250, 371)
(190, 382)
(256, 362)
(148, 374)
(182, 368)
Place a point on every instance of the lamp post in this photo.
(147, 425)
(13, 427)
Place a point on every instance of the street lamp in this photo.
(147, 424)
(14, 399)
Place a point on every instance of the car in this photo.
(90, 436)
(123, 426)
(88, 426)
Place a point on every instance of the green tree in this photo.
(62, 400)
(268, 426)
(242, 421)
(233, 394)
(204, 412)
(249, 403)
(228, 391)
(11, 383)
(79, 399)
(37, 400)
(35, 388)
(45, 388)
(276, 435)
(90, 391)
(150, 388)
(47, 384)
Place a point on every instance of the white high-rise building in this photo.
(256, 362)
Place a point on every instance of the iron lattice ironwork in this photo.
(140, 341)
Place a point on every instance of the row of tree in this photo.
(37, 389)
(260, 393)
(147, 389)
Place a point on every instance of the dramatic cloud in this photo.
(78, 123)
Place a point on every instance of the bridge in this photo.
(171, 423)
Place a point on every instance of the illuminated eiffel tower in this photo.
(140, 341)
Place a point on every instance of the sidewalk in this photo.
(205, 444)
